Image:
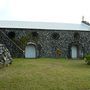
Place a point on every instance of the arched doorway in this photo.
(30, 50)
(75, 50)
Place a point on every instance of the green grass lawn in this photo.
(45, 74)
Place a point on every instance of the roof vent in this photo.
(85, 22)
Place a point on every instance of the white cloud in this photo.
(46, 10)
(4, 12)
(2, 4)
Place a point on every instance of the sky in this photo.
(67, 11)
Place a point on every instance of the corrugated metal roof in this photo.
(44, 25)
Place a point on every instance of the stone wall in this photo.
(63, 42)
(49, 44)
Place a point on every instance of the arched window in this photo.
(11, 35)
(76, 36)
(55, 36)
(34, 34)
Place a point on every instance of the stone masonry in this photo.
(48, 41)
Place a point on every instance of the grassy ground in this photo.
(45, 74)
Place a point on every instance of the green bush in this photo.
(87, 59)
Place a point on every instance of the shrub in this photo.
(87, 59)
(58, 52)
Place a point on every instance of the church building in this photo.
(46, 39)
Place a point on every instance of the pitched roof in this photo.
(44, 25)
